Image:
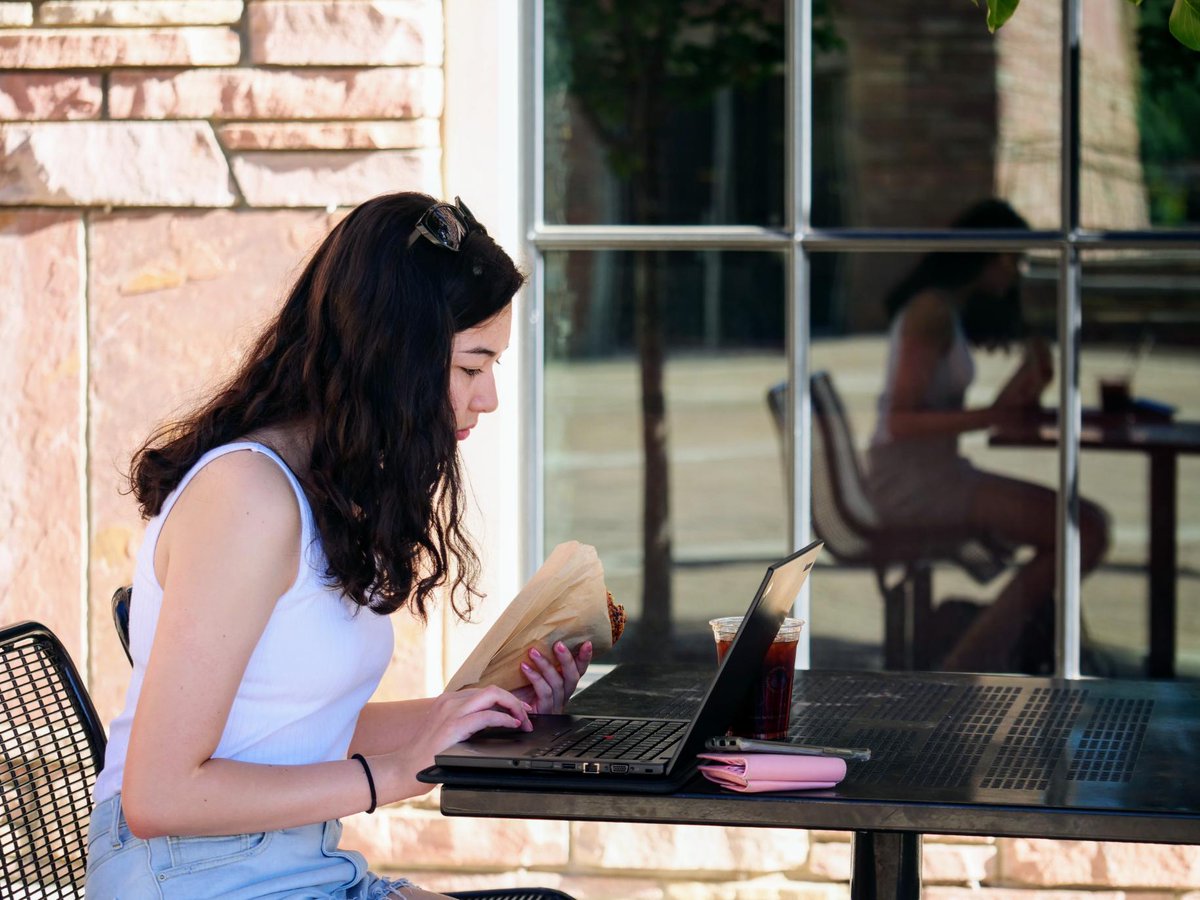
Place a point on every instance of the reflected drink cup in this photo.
(769, 703)
(1114, 395)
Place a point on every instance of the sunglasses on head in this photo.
(446, 225)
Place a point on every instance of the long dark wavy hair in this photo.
(361, 352)
(993, 323)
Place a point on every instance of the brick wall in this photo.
(940, 113)
(166, 167)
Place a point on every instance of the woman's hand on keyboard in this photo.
(447, 719)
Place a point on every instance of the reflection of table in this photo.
(952, 754)
(1162, 442)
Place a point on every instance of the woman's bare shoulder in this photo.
(238, 501)
(244, 477)
(929, 315)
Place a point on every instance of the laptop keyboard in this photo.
(617, 739)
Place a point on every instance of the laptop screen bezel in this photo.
(740, 666)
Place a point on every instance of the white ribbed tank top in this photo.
(317, 662)
(948, 384)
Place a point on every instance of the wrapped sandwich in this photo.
(616, 617)
(566, 600)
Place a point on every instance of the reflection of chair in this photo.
(53, 746)
(121, 602)
(845, 519)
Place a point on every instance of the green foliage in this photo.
(1184, 23)
(1165, 65)
(999, 12)
(1168, 117)
(630, 61)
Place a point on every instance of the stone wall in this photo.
(166, 167)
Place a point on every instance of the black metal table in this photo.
(1163, 442)
(1006, 756)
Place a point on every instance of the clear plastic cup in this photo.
(769, 702)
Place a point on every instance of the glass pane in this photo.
(908, 484)
(664, 113)
(720, 322)
(1140, 119)
(1139, 368)
(919, 111)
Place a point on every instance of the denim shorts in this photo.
(294, 863)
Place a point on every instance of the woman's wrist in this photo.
(366, 767)
(395, 777)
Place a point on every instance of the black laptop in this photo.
(605, 751)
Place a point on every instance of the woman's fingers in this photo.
(463, 727)
(546, 681)
(566, 664)
(491, 718)
(518, 708)
(553, 681)
(572, 667)
(492, 698)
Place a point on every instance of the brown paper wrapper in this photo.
(564, 601)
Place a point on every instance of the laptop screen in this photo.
(740, 667)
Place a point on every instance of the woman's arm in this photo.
(380, 724)
(229, 549)
(550, 687)
(1024, 387)
(905, 424)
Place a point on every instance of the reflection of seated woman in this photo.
(917, 476)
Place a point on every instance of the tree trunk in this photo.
(656, 624)
(649, 326)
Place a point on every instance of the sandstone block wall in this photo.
(166, 166)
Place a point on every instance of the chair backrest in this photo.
(121, 599)
(51, 749)
(843, 515)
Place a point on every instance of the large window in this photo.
(810, 267)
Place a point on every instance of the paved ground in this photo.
(729, 512)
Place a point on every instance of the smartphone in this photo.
(751, 745)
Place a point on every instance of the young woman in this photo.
(949, 303)
(315, 493)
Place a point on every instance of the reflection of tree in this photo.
(628, 63)
(1169, 114)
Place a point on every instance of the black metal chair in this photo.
(122, 599)
(902, 559)
(51, 749)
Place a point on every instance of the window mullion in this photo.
(1067, 596)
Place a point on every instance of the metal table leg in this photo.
(1163, 563)
(887, 866)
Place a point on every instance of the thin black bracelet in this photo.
(370, 780)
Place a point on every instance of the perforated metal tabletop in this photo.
(951, 754)
(1005, 743)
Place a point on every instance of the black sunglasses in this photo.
(446, 225)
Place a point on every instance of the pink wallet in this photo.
(753, 773)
